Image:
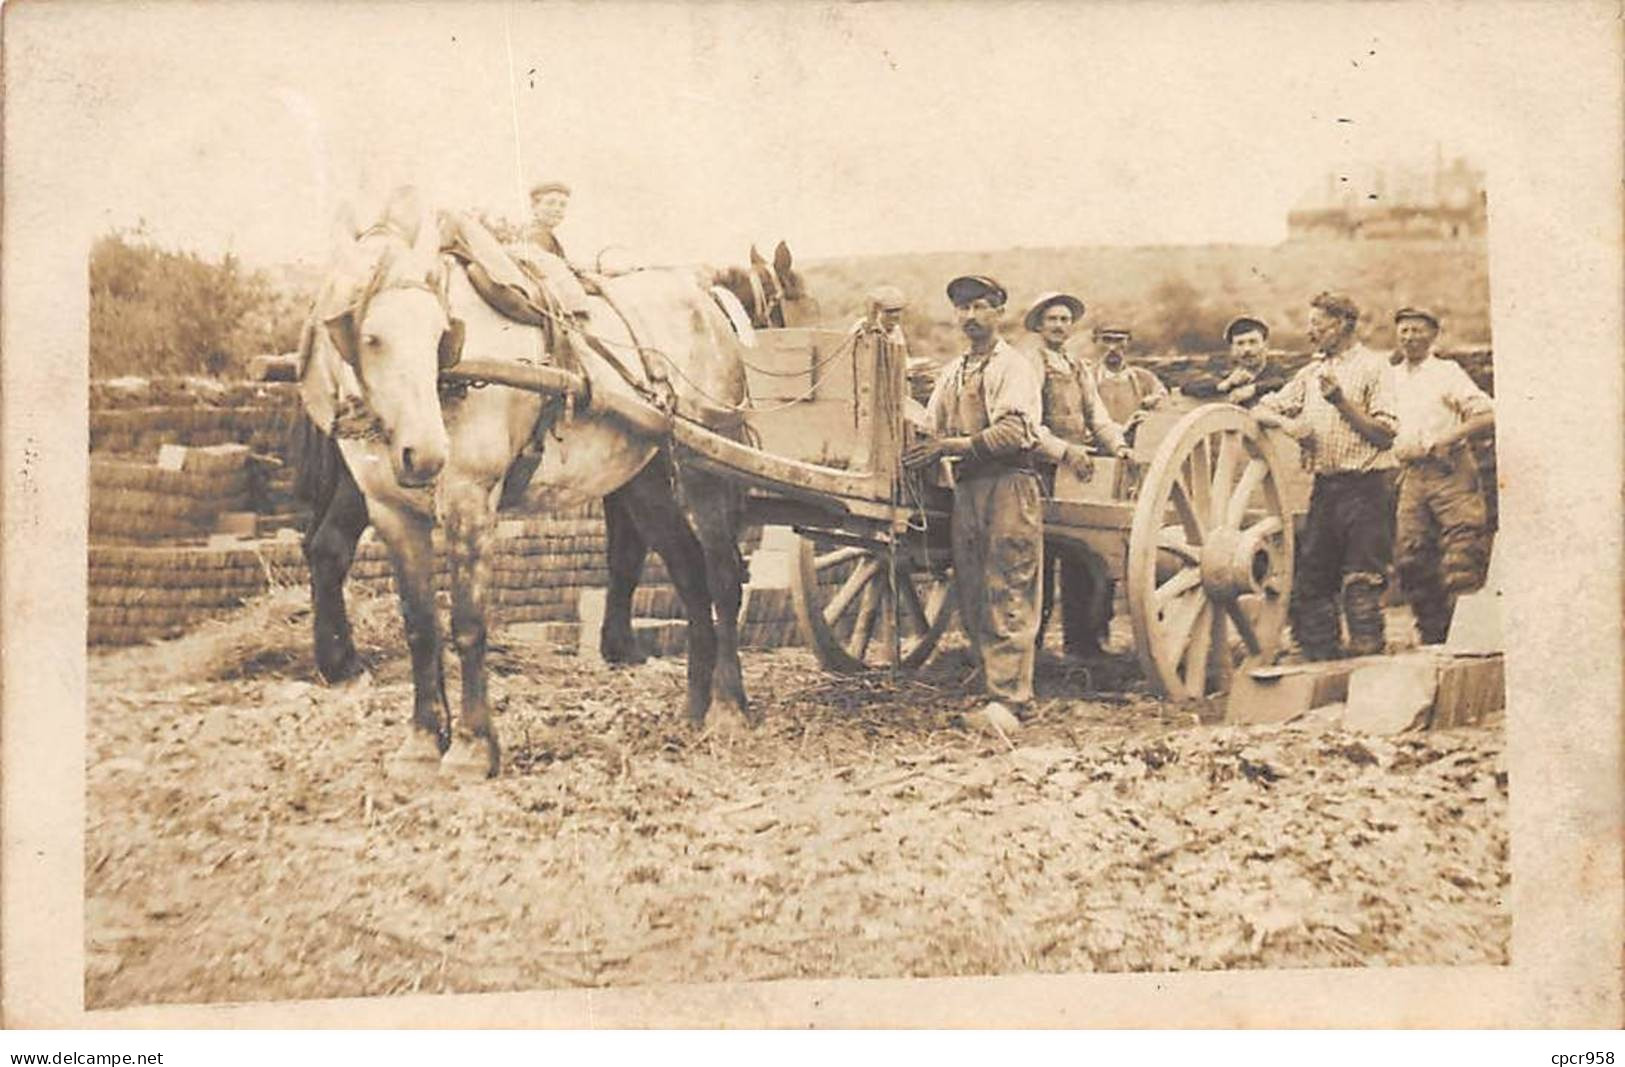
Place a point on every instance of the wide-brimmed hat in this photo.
(967, 287)
(1245, 324)
(1035, 311)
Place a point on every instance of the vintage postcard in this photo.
(838, 514)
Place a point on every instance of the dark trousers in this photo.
(1086, 591)
(1348, 544)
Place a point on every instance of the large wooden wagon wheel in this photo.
(1210, 553)
(852, 614)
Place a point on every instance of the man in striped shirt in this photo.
(1340, 407)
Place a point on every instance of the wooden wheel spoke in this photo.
(1224, 476)
(1198, 471)
(1198, 641)
(857, 645)
(1223, 665)
(1252, 476)
(1179, 584)
(1268, 526)
(911, 606)
(1187, 513)
(839, 556)
(1172, 540)
(856, 582)
(1244, 626)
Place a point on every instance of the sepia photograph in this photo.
(650, 496)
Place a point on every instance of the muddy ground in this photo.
(244, 844)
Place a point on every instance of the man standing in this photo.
(1251, 375)
(548, 203)
(1443, 539)
(984, 413)
(1340, 407)
(1125, 390)
(1074, 421)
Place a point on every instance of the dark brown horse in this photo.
(389, 447)
(772, 295)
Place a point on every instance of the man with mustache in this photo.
(1075, 421)
(1443, 526)
(1127, 391)
(1340, 406)
(1251, 376)
(984, 414)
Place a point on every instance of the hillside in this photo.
(1177, 299)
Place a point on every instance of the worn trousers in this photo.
(1085, 595)
(998, 542)
(1348, 543)
(1443, 539)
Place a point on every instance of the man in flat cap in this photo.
(1443, 541)
(1341, 408)
(1251, 376)
(543, 256)
(1126, 390)
(984, 414)
(1075, 421)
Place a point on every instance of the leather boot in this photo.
(1316, 626)
(1362, 607)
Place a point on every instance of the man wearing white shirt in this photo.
(1442, 540)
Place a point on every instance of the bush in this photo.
(156, 312)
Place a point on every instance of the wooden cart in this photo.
(1198, 526)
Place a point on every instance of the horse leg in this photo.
(329, 548)
(468, 520)
(411, 547)
(627, 550)
(713, 507)
(650, 502)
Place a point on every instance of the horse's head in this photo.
(773, 293)
(385, 314)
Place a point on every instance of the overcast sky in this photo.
(690, 130)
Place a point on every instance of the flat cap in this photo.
(543, 188)
(888, 298)
(967, 287)
(1245, 324)
(1113, 333)
(1416, 313)
(1035, 311)
(1337, 304)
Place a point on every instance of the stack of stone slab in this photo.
(181, 496)
(1433, 687)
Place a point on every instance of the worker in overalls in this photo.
(984, 415)
(1443, 545)
(1128, 391)
(1074, 423)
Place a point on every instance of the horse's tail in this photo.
(316, 459)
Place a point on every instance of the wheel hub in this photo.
(1235, 564)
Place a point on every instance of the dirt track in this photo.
(243, 843)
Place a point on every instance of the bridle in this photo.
(357, 416)
(764, 301)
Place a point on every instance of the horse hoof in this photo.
(725, 721)
(418, 758)
(359, 682)
(470, 760)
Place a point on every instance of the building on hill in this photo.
(1441, 202)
